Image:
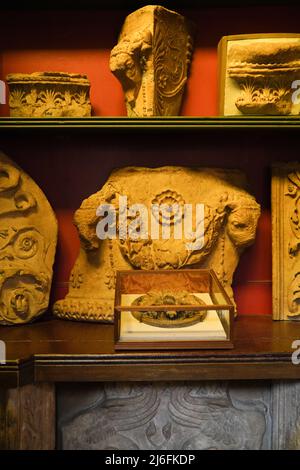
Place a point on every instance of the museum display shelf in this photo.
(158, 123)
(59, 351)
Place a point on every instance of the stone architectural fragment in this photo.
(229, 220)
(168, 416)
(286, 241)
(259, 74)
(173, 416)
(49, 94)
(152, 60)
(169, 318)
(28, 235)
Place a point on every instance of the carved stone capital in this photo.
(230, 220)
(260, 74)
(49, 94)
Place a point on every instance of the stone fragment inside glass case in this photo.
(259, 74)
(152, 60)
(286, 240)
(175, 204)
(172, 310)
(28, 236)
(49, 94)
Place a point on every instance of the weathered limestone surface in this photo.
(28, 235)
(286, 241)
(49, 94)
(230, 219)
(264, 70)
(152, 59)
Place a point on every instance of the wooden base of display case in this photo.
(64, 351)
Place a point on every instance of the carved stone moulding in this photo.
(152, 59)
(229, 218)
(286, 240)
(258, 74)
(28, 236)
(49, 94)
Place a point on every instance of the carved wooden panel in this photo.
(27, 417)
(286, 241)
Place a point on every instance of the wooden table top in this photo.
(55, 350)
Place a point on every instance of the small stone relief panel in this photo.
(259, 73)
(49, 94)
(286, 412)
(152, 60)
(164, 416)
(286, 241)
(28, 236)
(229, 219)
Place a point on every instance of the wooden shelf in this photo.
(175, 124)
(63, 351)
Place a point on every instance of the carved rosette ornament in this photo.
(152, 60)
(168, 318)
(49, 94)
(260, 75)
(230, 218)
(286, 241)
(28, 235)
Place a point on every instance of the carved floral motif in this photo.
(49, 94)
(230, 219)
(293, 191)
(28, 232)
(264, 70)
(286, 241)
(152, 60)
(169, 318)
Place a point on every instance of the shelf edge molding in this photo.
(126, 367)
(148, 124)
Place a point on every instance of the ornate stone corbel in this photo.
(152, 59)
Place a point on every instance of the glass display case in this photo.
(181, 309)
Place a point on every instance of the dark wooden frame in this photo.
(173, 344)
